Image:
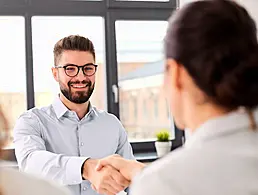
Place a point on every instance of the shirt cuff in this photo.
(73, 170)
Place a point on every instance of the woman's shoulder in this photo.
(168, 174)
(14, 182)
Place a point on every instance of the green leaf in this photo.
(163, 136)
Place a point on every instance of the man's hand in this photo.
(107, 181)
(128, 168)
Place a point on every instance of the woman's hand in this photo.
(128, 168)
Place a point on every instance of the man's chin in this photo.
(79, 93)
(79, 99)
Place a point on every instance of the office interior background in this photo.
(128, 38)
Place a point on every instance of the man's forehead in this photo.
(76, 57)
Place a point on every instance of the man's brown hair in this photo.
(75, 43)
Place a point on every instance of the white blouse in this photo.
(13, 182)
(220, 158)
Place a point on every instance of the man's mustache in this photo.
(88, 83)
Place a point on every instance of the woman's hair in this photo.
(216, 41)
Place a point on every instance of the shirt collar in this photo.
(92, 111)
(60, 109)
(227, 124)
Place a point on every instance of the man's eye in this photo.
(70, 68)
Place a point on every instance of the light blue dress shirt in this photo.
(53, 142)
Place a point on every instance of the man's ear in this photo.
(55, 74)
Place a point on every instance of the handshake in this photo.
(110, 175)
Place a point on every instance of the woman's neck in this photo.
(203, 113)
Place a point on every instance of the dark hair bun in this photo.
(240, 86)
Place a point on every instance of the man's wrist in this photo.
(83, 168)
(87, 167)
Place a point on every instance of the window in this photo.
(124, 110)
(140, 73)
(139, 44)
(53, 29)
(13, 75)
(135, 109)
(156, 107)
(168, 110)
(145, 109)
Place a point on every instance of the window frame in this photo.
(111, 11)
(140, 15)
(142, 4)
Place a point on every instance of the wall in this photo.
(251, 6)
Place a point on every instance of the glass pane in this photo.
(143, 108)
(46, 32)
(13, 75)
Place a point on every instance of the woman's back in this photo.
(221, 158)
(14, 182)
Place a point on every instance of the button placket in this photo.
(78, 128)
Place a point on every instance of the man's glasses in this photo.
(72, 70)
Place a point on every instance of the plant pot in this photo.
(163, 148)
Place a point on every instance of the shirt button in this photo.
(85, 188)
(82, 143)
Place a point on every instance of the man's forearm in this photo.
(66, 170)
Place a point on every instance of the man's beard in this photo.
(77, 97)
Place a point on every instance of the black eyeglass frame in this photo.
(78, 69)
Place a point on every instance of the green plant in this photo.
(163, 136)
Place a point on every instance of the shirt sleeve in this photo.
(124, 147)
(32, 157)
(153, 184)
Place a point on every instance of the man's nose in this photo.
(80, 74)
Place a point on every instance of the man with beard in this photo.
(65, 140)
